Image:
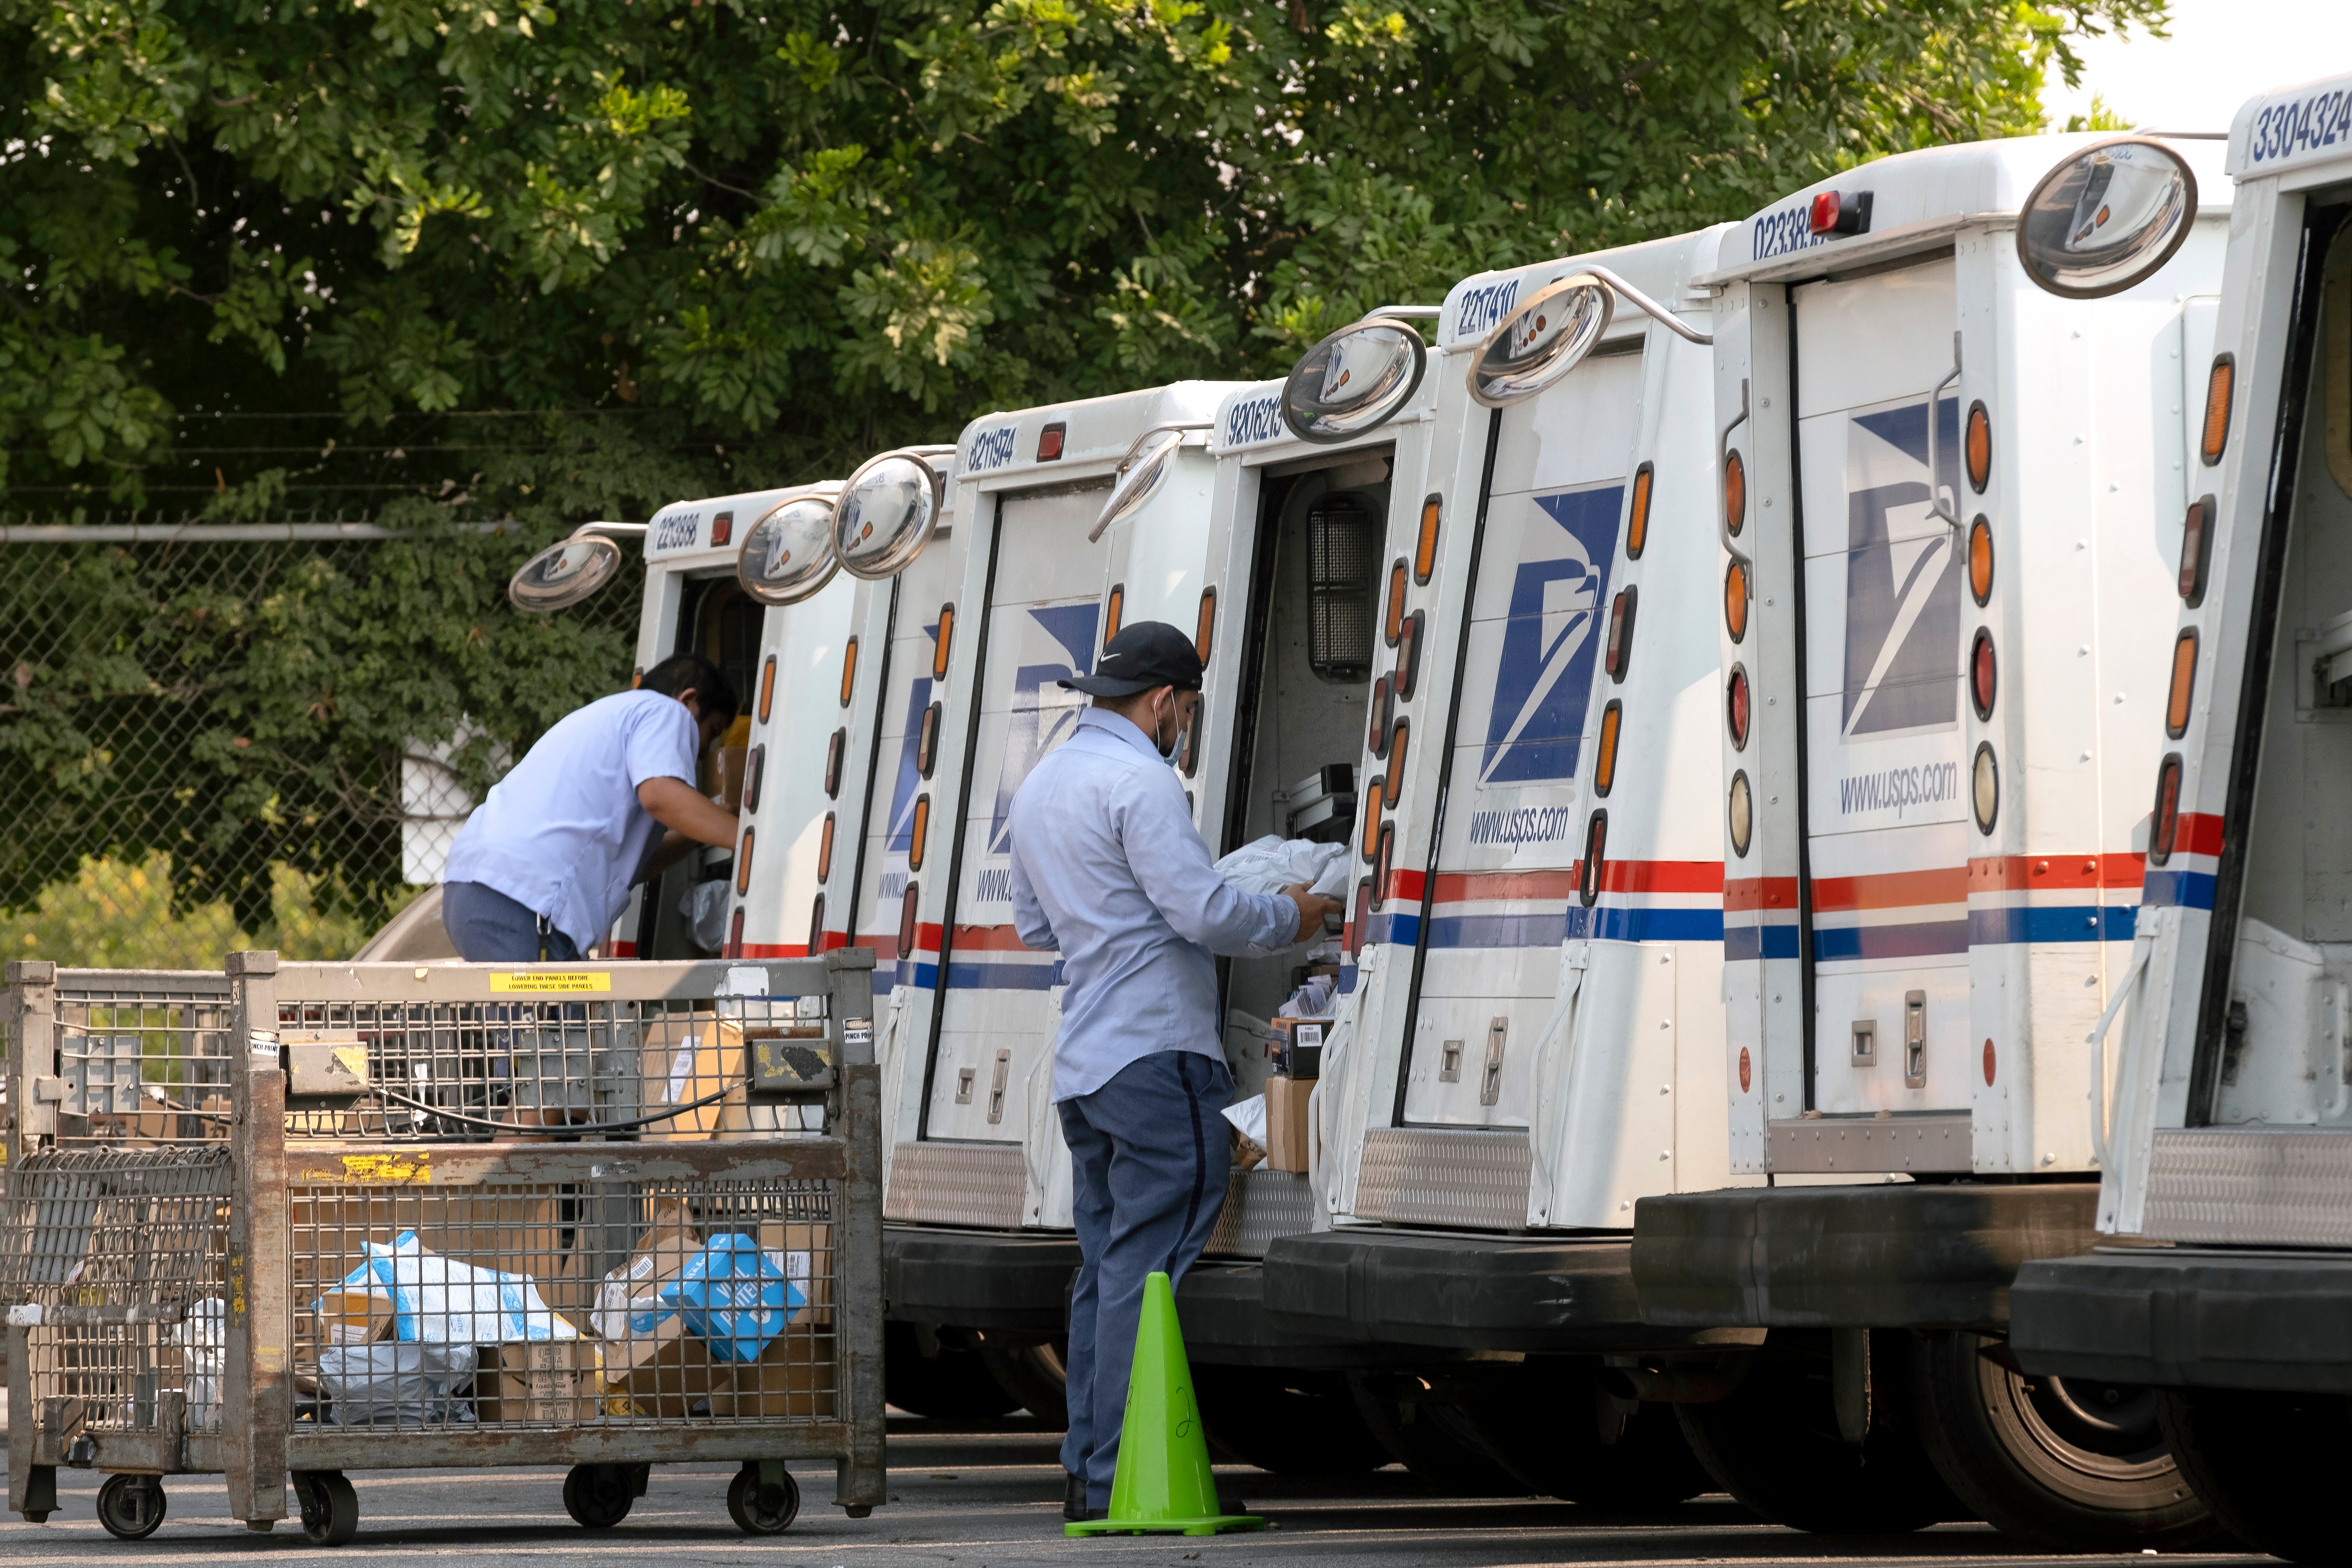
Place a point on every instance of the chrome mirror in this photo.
(887, 513)
(1141, 474)
(563, 574)
(788, 555)
(1542, 340)
(1354, 381)
(2106, 218)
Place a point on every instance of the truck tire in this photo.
(1773, 1443)
(1624, 1461)
(1434, 1442)
(1035, 1375)
(950, 1382)
(1288, 1423)
(2067, 1466)
(2267, 1464)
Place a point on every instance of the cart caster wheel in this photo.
(859, 1510)
(761, 1508)
(597, 1497)
(35, 1516)
(331, 1508)
(131, 1507)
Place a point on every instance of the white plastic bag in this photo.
(391, 1385)
(439, 1301)
(1270, 865)
(1249, 1117)
(705, 907)
(206, 1337)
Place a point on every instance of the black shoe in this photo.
(1074, 1498)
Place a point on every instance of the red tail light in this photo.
(1596, 844)
(734, 948)
(816, 928)
(2196, 550)
(1980, 673)
(1735, 708)
(908, 907)
(1620, 634)
(2166, 825)
(1840, 212)
(2184, 681)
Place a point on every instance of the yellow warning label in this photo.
(352, 1060)
(557, 980)
(405, 1169)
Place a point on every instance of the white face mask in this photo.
(1168, 747)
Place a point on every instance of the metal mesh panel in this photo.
(124, 1254)
(475, 1072)
(561, 1305)
(1343, 541)
(141, 1058)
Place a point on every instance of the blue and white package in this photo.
(733, 1297)
(439, 1301)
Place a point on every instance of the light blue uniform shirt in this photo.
(562, 833)
(1107, 867)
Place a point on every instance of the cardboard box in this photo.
(668, 1373)
(690, 1058)
(732, 761)
(353, 1317)
(539, 1381)
(1286, 1122)
(806, 1251)
(795, 1378)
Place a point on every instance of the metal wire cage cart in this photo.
(606, 1216)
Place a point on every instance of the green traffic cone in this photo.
(1164, 1485)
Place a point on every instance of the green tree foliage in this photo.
(764, 237)
(546, 260)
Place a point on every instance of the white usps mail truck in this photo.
(1532, 1039)
(980, 1251)
(1949, 506)
(2216, 1091)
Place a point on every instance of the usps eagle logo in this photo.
(1902, 575)
(1053, 643)
(1543, 680)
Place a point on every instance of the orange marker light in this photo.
(1425, 551)
(1604, 770)
(849, 671)
(1204, 630)
(1369, 811)
(1978, 447)
(1395, 622)
(1637, 521)
(2184, 680)
(1735, 493)
(1980, 560)
(918, 832)
(1114, 611)
(2217, 409)
(824, 851)
(767, 687)
(1395, 785)
(1735, 601)
(940, 648)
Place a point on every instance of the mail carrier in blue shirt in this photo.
(1109, 869)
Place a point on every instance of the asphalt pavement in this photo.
(987, 1498)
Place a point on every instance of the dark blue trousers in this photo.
(489, 927)
(1149, 1159)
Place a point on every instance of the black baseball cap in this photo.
(1142, 658)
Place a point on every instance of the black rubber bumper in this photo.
(1461, 1293)
(2183, 1318)
(1902, 1255)
(978, 1278)
(996, 1280)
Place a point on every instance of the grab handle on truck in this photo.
(2141, 953)
(1935, 507)
(1722, 510)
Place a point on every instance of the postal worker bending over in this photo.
(543, 866)
(1107, 868)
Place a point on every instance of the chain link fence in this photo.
(196, 746)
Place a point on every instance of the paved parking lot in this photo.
(976, 1499)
